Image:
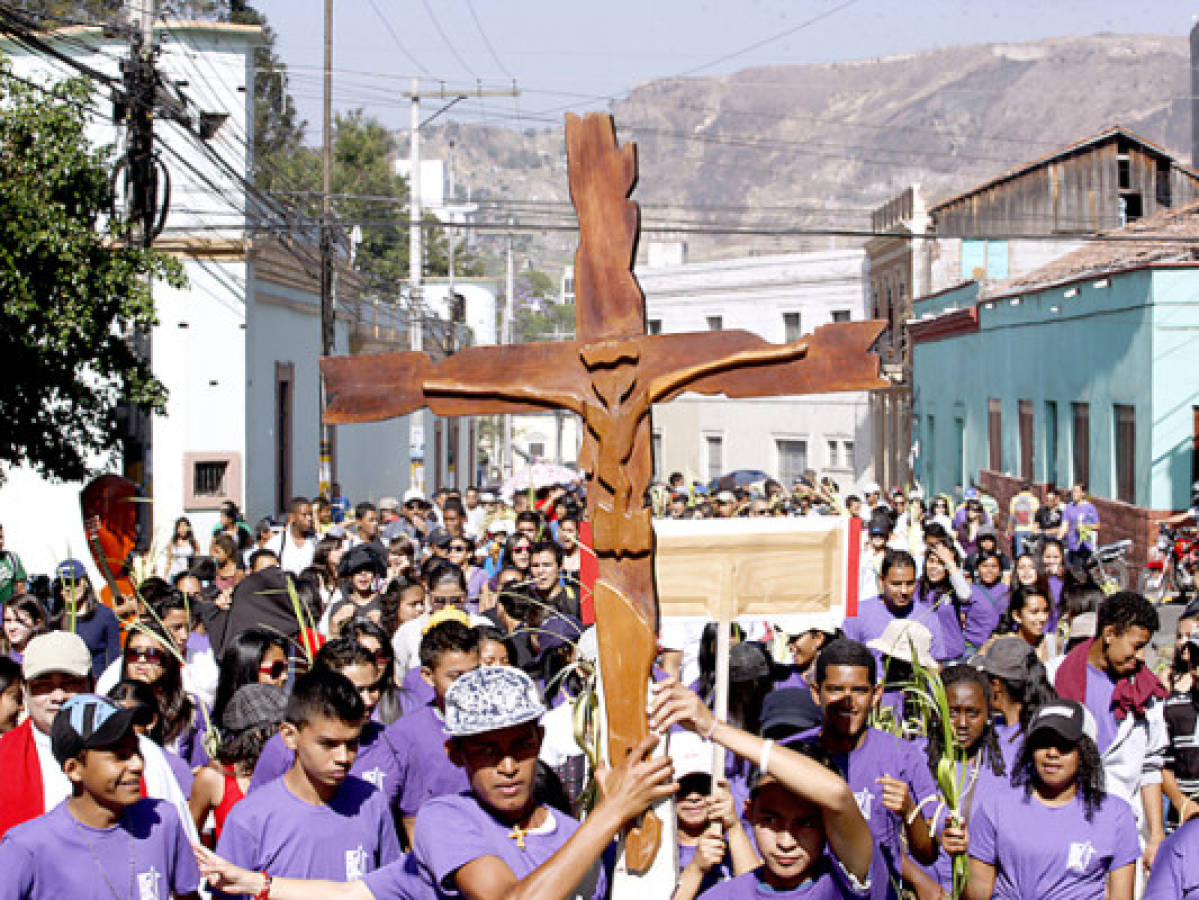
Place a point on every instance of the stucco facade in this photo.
(778, 298)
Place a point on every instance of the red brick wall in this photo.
(1117, 520)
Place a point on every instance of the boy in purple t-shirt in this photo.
(448, 651)
(105, 840)
(318, 820)
(812, 837)
(889, 776)
(495, 839)
(376, 761)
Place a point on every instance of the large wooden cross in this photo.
(610, 375)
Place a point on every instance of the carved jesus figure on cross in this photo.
(611, 374)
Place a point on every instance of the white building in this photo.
(778, 298)
(238, 348)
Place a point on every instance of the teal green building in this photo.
(1084, 370)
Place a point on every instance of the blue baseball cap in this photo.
(71, 570)
(89, 722)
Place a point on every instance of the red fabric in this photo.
(852, 564)
(231, 797)
(1131, 694)
(21, 794)
(588, 573)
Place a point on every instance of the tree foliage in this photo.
(73, 291)
(537, 314)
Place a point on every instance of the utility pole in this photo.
(509, 308)
(416, 311)
(326, 474)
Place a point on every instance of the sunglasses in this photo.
(381, 656)
(145, 654)
(458, 548)
(276, 669)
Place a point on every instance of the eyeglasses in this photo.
(277, 669)
(144, 654)
(440, 600)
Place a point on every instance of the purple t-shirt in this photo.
(275, 831)
(1039, 851)
(424, 770)
(883, 754)
(417, 687)
(1010, 741)
(55, 856)
(790, 677)
(1055, 596)
(1075, 515)
(476, 833)
(986, 605)
(400, 880)
(874, 616)
(829, 882)
(1175, 872)
(722, 871)
(376, 761)
(1099, 702)
(940, 601)
(181, 770)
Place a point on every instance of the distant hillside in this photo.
(821, 145)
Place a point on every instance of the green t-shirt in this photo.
(11, 571)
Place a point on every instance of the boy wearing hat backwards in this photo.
(494, 840)
(106, 840)
(809, 831)
(57, 667)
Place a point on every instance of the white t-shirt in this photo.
(406, 642)
(293, 557)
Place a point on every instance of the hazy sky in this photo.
(574, 54)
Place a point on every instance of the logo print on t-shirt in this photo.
(864, 798)
(356, 863)
(147, 885)
(375, 776)
(1079, 857)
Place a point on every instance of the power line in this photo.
(769, 40)
(437, 24)
(483, 34)
(396, 38)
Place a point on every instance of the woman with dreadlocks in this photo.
(1018, 686)
(968, 696)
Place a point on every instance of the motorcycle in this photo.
(1173, 564)
(1107, 566)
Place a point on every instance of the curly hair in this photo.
(988, 743)
(1090, 772)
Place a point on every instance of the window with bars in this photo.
(1026, 422)
(995, 435)
(1126, 452)
(847, 454)
(1051, 442)
(208, 478)
(792, 329)
(654, 326)
(834, 454)
(793, 460)
(1081, 443)
(841, 315)
(715, 323)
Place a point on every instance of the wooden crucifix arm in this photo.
(667, 384)
(516, 392)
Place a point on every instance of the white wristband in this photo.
(764, 758)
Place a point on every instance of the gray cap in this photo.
(254, 705)
(1007, 658)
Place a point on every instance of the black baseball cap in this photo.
(89, 722)
(1066, 718)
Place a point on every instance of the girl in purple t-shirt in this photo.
(1058, 834)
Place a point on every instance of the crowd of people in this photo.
(383, 700)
